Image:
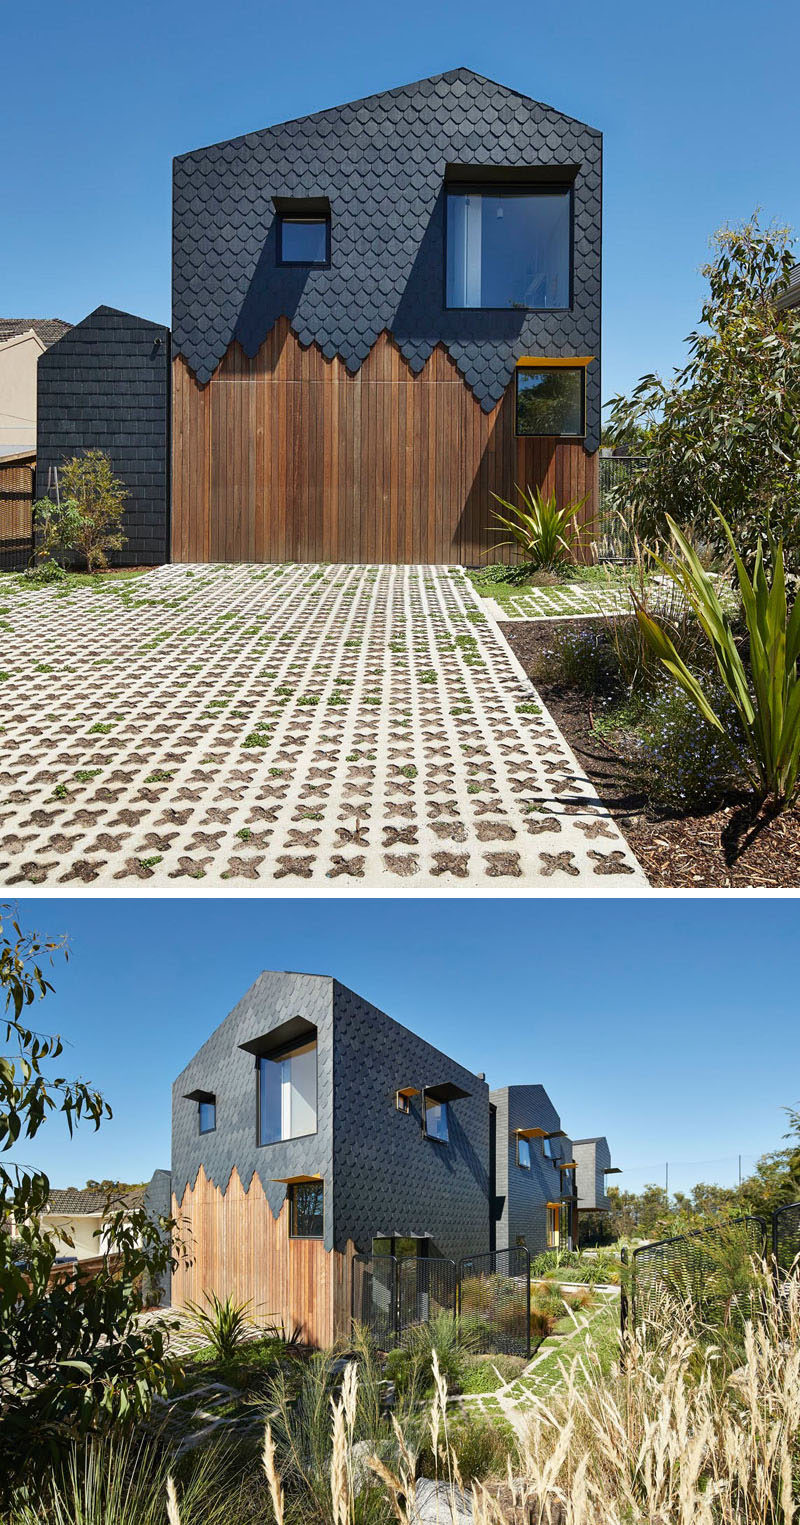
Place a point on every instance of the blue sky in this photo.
(671, 1026)
(698, 102)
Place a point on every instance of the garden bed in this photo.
(728, 846)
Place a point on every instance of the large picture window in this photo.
(551, 400)
(307, 1209)
(508, 248)
(287, 1094)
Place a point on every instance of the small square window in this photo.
(524, 1153)
(437, 1120)
(304, 240)
(551, 400)
(306, 1209)
(207, 1115)
(549, 1149)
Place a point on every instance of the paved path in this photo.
(567, 601)
(298, 726)
(545, 1373)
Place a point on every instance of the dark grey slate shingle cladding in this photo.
(387, 1176)
(105, 386)
(381, 1174)
(224, 1069)
(381, 162)
(525, 1193)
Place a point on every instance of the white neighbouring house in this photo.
(22, 341)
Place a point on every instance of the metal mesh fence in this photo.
(615, 542)
(495, 1293)
(709, 1272)
(786, 1236)
(374, 1297)
(426, 1287)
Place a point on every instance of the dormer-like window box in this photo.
(436, 1101)
(286, 1093)
(551, 398)
(303, 232)
(206, 1110)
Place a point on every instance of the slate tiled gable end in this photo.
(382, 163)
(104, 385)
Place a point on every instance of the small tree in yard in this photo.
(725, 429)
(73, 1356)
(88, 521)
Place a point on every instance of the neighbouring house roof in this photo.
(85, 1202)
(47, 329)
(381, 163)
(791, 296)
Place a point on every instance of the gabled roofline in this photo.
(363, 100)
(22, 338)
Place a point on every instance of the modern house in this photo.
(535, 1172)
(311, 1127)
(383, 314)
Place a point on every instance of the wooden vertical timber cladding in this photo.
(234, 1245)
(291, 457)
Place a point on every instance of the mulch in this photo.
(732, 847)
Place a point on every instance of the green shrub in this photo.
(685, 764)
(225, 1325)
(481, 1447)
(765, 694)
(87, 523)
(546, 536)
(584, 659)
(410, 1365)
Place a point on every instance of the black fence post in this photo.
(623, 1294)
(528, 1303)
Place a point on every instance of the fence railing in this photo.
(615, 542)
(493, 1290)
(786, 1236)
(707, 1268)
(16, 514)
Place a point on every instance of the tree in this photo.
(89, 521)
(725, 429)
(73, 1355)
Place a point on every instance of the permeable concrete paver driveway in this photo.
(288, 727)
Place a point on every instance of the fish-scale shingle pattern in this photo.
(381, 162)
(223, 1068)
(387, 1177)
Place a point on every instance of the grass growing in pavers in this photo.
(585, 591)
(595, 1332)
(364, 726)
